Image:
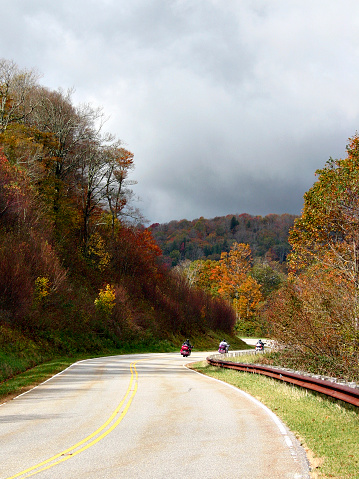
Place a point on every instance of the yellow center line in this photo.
(67, 454)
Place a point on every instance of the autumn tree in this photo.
(328, 230)
(234, 267)
(247, 299)
(316, 312)
(238, 286)
(311, 315)
(204, 275)
(118, 193)
(230, 278)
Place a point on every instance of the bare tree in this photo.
(71, 127)
(16, 86)
(91, 183)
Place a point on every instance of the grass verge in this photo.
(32, 377)
(327, 429)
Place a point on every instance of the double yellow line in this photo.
(112, 422)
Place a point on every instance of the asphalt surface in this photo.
(143, 416)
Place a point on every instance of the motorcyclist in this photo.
(186, 348)
(260, 344)
(223, 345)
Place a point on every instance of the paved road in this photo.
(142, 416)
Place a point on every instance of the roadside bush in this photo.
(312, 317)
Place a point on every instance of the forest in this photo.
(207, 238)
(80, 272)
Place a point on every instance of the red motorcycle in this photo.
(186, 350)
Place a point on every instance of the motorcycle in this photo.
(260, 347)
(223, 349)
(186, 350)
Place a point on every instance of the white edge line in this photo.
(61, 372)
(49, 379)
(54, 376)
(273, 416)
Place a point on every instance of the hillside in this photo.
(76, 273)
(206, 238)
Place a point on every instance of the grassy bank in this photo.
(327, 429)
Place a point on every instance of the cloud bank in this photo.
(229, 107)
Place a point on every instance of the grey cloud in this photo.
(227, 106)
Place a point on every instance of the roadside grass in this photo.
(32, 377)
(327, 429)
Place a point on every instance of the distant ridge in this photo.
(203, 238)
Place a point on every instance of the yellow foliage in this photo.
(230, 278)
(248, 299)
(42, 289)
(235, 267)
(105, 302)
(97, 252)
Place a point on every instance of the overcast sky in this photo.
(229, 106)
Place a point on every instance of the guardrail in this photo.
(338, 391)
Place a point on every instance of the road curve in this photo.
(143, 416)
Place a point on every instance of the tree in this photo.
(312, 315)
(247, 300)
(234, 267)
(71, 126)
(234, 224)
(316, 311)
(230, 279)
(267, 275)
(29, 266)
(117, 192)
(238, 286)
(204, 275)
(16, 103)
(92, 184)
(328, 230)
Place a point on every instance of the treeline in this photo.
(77, 269)
(207, 238)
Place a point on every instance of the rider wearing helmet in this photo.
(224, 345)
(187, 343)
